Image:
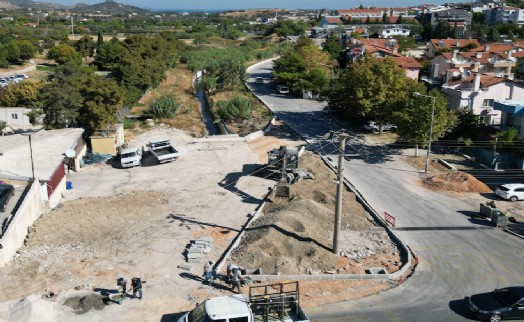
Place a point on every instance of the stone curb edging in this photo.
(513, 233)
(238, 238)
(405, 251)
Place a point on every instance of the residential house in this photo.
(375, 14)
(389, 32)
(438, 45)
(15, 117)
(330, 22)
(487, 63)
(478, 93)
(410, 65)
(458, 18)
(505, 15)
(512, 114)
(42, 156)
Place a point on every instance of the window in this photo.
(488, 102)
(244, 319)
(14, 116)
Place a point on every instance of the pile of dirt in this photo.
(295, 236)
(455, 181)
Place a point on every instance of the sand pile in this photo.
(295, 236)
(455, 181)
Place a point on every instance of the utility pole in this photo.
(340, 188)
(426, 168)
(72, 28)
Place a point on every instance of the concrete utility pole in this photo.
(340, 188)
(426, 168)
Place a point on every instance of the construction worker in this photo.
(237, 279)
(121, 282)
(208, 272)
(230, 269)
(136, 283)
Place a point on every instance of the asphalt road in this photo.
(458, 256)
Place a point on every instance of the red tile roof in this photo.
(334, 20)
(381, 42)
(349, 11)
(407, 62)
(453, 43)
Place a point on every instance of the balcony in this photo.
(504, 63)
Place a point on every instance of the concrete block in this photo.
(194, 255)
(194, 260)
(195, 250)
(185, 267)
(201, 242)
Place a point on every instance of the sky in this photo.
(253, 4)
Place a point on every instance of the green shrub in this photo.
(238, 107)
(129, 124)
(164, 107)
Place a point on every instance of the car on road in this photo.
(282, 89)
(259, 80)
(500, 304)
(511, 191)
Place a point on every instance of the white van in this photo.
(131, 157)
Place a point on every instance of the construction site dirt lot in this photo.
(137, 222)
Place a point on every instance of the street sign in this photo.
(390, 219)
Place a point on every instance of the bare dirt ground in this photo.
(134, 222)
(303, 227)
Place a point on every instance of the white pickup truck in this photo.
(131, 157)
(263, 307)
(162, 150)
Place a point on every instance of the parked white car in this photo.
(131, 157)
(511, 191)
(282, 89)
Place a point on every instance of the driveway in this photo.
(458, 256)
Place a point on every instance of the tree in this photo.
(304, 66)
(413, 116)
(443, 30)
(13, 51)
(75, 96)
(494, 35)
(400, 19)
(370, 87)
(64, 53)
(99, 40)
(3, 125)
(385, 18)
(332, 46)
(85, 46)
(405, 42)
(27, 49)
(231, 73)
(164, 107)
(108, 56)
(22, 94)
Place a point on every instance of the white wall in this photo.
(20, 119)
(501, 91)
(30, 209)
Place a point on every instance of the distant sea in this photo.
(191, 10)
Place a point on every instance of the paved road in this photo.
(458, 256)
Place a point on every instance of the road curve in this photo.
(458, 256)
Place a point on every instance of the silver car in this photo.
(511, 191)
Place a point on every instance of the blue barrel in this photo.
(69, 185)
